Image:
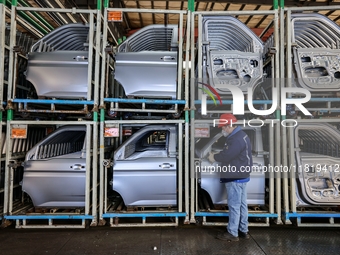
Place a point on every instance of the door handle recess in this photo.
(77, 167)
(80, 58)
(166, 165)
(168, 58)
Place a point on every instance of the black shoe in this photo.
(244, 235)
(226, 236)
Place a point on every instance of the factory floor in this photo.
(184, 239)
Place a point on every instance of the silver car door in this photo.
(146, 177)
(317, 164)
(56, 182)
(54, 172)
(146, 63)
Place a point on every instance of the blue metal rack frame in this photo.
(143, 103)
(143, 216)
(146, 101)
(263, 215)
(54, 101)
(21, 220)
(23, 105)
(310, 215)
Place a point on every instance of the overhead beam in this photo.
(197, 4)
(263, 19)
(288, 3)
(140, 15)
(249, 18)
(153, 15)
(212, 6)
(126, 18)
(227, 7)
(241, 9)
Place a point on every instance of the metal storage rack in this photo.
(94, 45)
(274, 204)
(260, 215)
(141, 105)
(96, 210)
(317, 215)
(145, 217)
(310, 215)
(16, 208)
(21, 213)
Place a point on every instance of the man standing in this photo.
(236, 159)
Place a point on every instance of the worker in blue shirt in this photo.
(236, 159)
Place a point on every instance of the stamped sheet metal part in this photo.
(316, 52)
(210, 180)
(317, 164)
(145, 167)
(58, 63)
(54, 169)
(232, 54)
(146, 63)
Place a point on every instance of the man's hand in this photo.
(211, 157)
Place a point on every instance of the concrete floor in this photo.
(187, 239)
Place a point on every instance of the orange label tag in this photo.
(111, 132)
(115, 16)
(19, 133)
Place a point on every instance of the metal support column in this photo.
(95, 184)
(8, 192)
(187, 120)
(290, 137)
(103, 83)
(2, 51)
(284, 143)
(102, 173)
(191, 184)
(193, 179)
(11, 69)
(2, 70)
(94, 169)
(1, 172)
(271, 175)
(279, 74)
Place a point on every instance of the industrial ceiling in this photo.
(133, 21)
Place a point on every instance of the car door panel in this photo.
(146, 181)
(55, 182)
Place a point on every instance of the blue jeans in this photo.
(238, 208)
